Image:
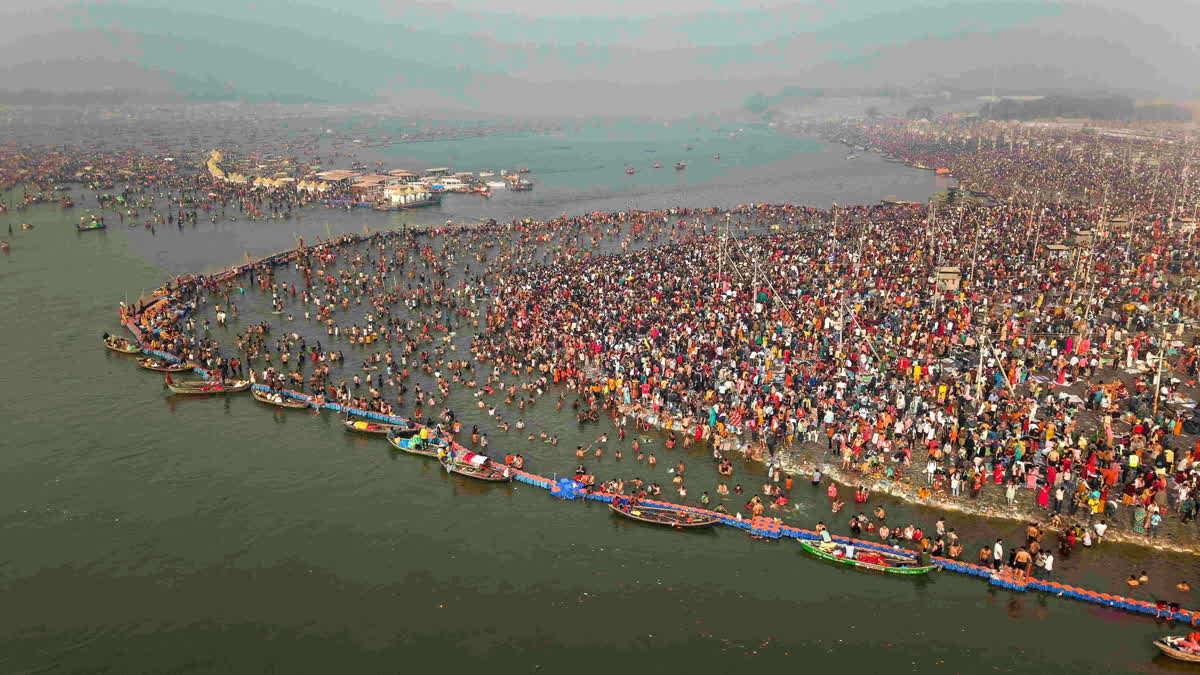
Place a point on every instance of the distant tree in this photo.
(794, 91)
(1095, 108)
(757, 103)
(919, 112)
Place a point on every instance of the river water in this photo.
(144, 533)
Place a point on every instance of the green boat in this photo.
(867, 559)
(409, 440)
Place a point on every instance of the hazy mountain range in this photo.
(517, 60)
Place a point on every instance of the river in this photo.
(144, 533)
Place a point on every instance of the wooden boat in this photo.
(409, 440)
(204, 387)
(869, 559)
(1176, 648)
(659, 515)
(89, 228)
(629, 171)
(368, 427)
(680, 166)
(278, 399)
(121, 345)
(475, 466)
(162, 365)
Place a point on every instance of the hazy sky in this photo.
(616, 55)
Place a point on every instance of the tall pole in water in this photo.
(721, 252)
(1162, 356)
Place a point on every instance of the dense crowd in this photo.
(979, 349)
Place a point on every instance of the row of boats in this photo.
(417, 439)
(420, 440)
(679, 166)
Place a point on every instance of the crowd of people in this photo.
(1047, 368)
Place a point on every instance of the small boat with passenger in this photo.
(474, 465)
(409, 440)
(277, 398)
(1183, 648)
(205, 387)
(159, 364)
(898, 562)
(369, 427)
(660, 515)
(121, 345)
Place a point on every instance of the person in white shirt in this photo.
(1048, 565)
(997, 555)
(1100, 527)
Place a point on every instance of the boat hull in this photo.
(286, 402)
(365, 427)
(662, 516)
(129, 349)
(207, 388)
(483, 473)
(151, 364)
(861, 564)
(427, 449)
(1165, 646)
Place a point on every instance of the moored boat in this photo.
(121, 345)
(680, 166)
(205, 387)
(1182, 648)
(475, 466)
(89, 228)
(162, 365)
(368, 427)
(278, 399)
(869, 559)
(661, 515)
(409, 440)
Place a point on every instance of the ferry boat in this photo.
(657, 164)
(629, 170)
(521, 186)
(680, 166)
(486, 174)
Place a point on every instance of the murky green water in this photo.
(143, 533)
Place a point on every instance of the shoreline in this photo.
(793, 459)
